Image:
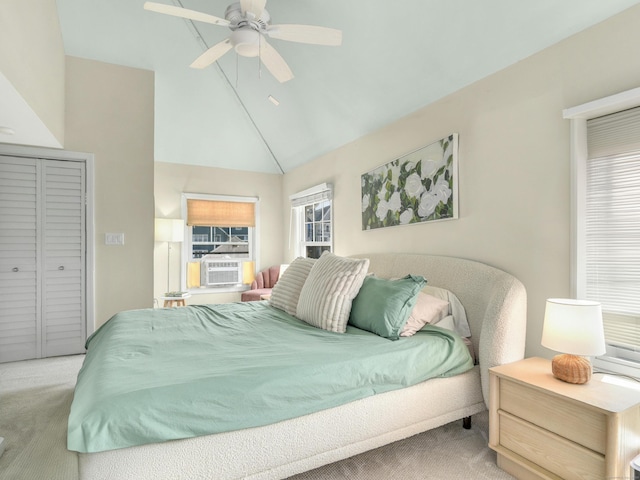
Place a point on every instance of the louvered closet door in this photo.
(19, 282)
(63, 257)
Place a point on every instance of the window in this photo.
(606, 260)
(312, 221)
(220, 242)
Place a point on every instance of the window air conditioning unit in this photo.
(216, 273)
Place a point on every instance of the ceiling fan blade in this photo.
(185, 13)
(255, 7)
(306, 34)
(274, 62)
(213, 54)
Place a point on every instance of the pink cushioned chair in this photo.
(262, 285)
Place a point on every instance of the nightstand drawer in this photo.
(559, 456)
(558, 415)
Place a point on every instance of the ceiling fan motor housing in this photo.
(246, 30)
(238, 20)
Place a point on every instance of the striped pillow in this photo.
(326, 297)
(286, 292)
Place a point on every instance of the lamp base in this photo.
(571, 368)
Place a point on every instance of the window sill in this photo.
(617, 366)
(210, 290)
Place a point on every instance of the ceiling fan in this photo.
(250, 24)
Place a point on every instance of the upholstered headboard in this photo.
(495, 301)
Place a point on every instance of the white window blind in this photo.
(614, 134)
(612, 224)
(315, 194)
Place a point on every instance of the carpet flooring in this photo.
(35, 396)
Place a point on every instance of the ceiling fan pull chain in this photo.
(260, 56)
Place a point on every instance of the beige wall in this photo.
(110, 114)
(172, 180)
(32, 58)
(513, 163)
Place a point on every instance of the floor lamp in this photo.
(169, 230)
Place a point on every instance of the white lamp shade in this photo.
(169, 230)
(574, 327)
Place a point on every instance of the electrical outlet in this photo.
(114, 238)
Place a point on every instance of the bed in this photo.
(282, 442)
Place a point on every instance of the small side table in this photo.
(174, 301)
(543, 428)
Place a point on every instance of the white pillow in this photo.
(326, 297)
(428, 309)
(461, 324)
(447, 323)
(286, 291)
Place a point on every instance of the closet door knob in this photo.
(61, 267)
(15, 269)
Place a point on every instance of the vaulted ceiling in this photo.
(396, 57)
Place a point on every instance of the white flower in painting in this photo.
(441, 190)
(430, 167)
(394, 202)
(413, 187)
(383, 208)
(432, 159)
(406, 216)
(365, 201)
(428, 204)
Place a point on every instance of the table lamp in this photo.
(573, 327)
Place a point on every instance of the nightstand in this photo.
(544, 428)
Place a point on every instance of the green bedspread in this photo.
(163, 374)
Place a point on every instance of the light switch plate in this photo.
(114, 238)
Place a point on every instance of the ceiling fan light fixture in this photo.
(246, 42)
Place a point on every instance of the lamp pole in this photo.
(168, 266)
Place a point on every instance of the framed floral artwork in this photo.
(421, 186)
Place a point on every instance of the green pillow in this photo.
(383, 306)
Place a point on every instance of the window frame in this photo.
(614, 360)
(187, 245)
(299, 222)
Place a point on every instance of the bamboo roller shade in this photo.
(220, 214)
